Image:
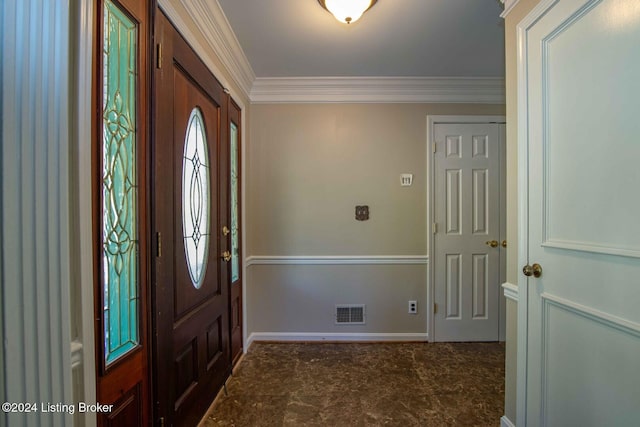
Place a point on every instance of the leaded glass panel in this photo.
(195, 198)
(119, 184)
(235, 255)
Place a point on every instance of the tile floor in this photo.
(363, 384)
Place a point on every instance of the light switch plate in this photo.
(406, 179)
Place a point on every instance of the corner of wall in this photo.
(80, 167)
(2, 246)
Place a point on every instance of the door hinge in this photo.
(159, 56)
(434, 227)
(161, 420)
(435, 144)
(158, 244)
(435, 308)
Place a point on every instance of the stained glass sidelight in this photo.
(119, 184)
(235, 256)
(195, 198)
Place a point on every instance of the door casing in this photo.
(432, 120)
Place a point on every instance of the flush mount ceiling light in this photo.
(347, 11)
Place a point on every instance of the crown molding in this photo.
(213, 24)
(485, 90)
(214, 27)
(508, 6)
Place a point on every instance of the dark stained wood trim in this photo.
(132, 370)
(235, 291)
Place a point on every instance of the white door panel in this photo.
(599, 51)
(467, 204)
(580, 138)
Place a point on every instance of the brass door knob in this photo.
(225, 230)
(492, 243)
(534, 270)
(504, 243)
(226, 255)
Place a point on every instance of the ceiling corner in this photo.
(213, 26)
(508, 6)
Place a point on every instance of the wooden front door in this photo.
(191, 298)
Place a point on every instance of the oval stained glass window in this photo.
(195, 198)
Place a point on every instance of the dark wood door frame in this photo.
(235, 309)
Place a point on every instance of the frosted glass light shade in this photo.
(347, 11)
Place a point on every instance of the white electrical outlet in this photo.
(413, 307)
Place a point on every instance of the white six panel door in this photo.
(580, 138)
(467, 216)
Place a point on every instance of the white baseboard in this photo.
(506, 422)
(329, 336)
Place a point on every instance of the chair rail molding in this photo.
(510, 291)
(335, 259)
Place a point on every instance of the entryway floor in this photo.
(362, 384)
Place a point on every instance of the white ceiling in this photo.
(396, 38)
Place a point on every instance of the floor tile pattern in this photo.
(363, 384)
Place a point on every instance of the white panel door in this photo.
(467, 216)
(579, 322)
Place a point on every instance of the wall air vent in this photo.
(350, 314)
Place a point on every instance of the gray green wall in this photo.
(310, 165)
